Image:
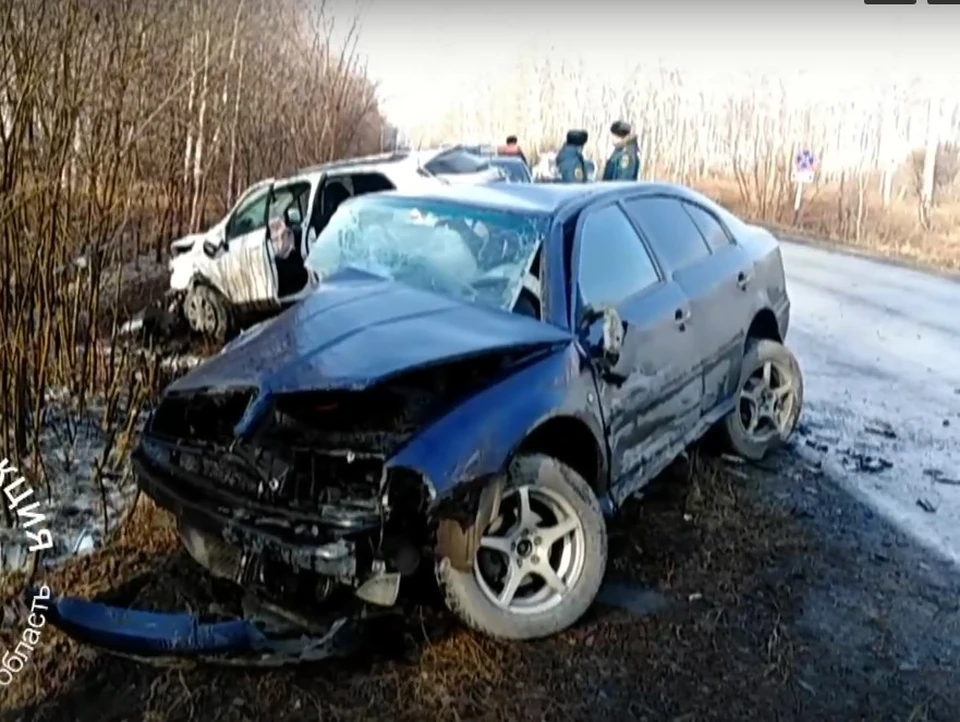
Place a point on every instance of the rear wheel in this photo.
(769, 400)
(207, 312)
(540, 563)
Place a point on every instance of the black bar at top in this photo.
(943, 2)
(891, 2)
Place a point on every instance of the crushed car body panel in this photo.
(172, 638)
(477, 437)
(147, 633)
(335, 338)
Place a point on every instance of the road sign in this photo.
(804, 165)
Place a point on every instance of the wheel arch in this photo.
(571, 440)
(764, 325)
(200, 279)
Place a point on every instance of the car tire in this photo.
(578, 558)
(769, 370)
(208, 313)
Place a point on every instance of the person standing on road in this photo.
(570, 161)
(512, 148)
(624, 162)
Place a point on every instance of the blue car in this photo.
(482, 375)
(514, 168)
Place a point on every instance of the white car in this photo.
(240, 270)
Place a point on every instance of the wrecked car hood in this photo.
(358, 329)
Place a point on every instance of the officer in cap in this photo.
(624, 162)
(570, 160)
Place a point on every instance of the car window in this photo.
(516, 169)
(708, 226)
(290, 200)
(454, 248)
(670, 230)
(454, 162)
(614, 263)
(249, 216)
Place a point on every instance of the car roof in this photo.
(546, 198)
(380, 162)
(366, 162)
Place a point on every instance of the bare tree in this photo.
(121, 124)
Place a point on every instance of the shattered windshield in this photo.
(451, 248)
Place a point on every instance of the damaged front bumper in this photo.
(329, 579)
(162, 319)
(225, 538)
(162, 638)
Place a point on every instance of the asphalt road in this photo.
(879, 346)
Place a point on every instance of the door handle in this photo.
(743, 280)
(680, 318)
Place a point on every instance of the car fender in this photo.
(183, 269)
(477, 439)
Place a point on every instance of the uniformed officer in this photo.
(570, 160)
(624, 162)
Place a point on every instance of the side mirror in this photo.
(612, 330)
(612, 336)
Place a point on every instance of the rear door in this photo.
(695, 250)
(658, 400)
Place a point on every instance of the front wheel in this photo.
(769, 400)
(540, 562)
(208, 313)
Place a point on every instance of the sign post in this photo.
(803, 170)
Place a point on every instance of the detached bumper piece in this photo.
(173, 639)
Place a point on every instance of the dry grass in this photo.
(725, 654)
(895, 232)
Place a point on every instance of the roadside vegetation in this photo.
(126, 124)
(887, 175)
(122, 126)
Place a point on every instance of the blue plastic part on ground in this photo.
(144, 633)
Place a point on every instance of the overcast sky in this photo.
(421, 51)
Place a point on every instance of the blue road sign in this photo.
(805, 160)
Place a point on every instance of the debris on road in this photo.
(938, 477)
(883, 429)
(926, 506)
(866, 463)
(731, 459)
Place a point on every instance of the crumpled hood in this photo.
(358, 329)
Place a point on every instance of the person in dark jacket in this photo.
(570, 161)
(512, 148)
(624, 162)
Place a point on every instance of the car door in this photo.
(707, 271)
(247, 272)
(656, 400)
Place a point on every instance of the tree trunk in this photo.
(196, 212)
(232, 172)
(929, 163)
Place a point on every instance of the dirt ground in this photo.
(733, 593)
